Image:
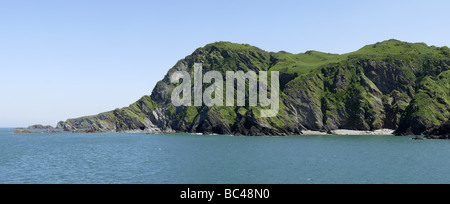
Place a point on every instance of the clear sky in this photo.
(63, 59)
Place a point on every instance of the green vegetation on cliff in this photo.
(390, 84)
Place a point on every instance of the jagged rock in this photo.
(70, 128)
(439, 132)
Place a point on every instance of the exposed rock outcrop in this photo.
(439, 132)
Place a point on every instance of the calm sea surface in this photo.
(192, 159)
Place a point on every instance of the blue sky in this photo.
(71, 58)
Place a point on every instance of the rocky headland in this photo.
(390, 85)
(40, 127)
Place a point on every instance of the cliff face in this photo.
(439, 132)
(391, 84)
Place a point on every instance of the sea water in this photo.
(222, 159)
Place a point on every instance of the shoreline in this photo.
(304, 132)
(350, 132)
